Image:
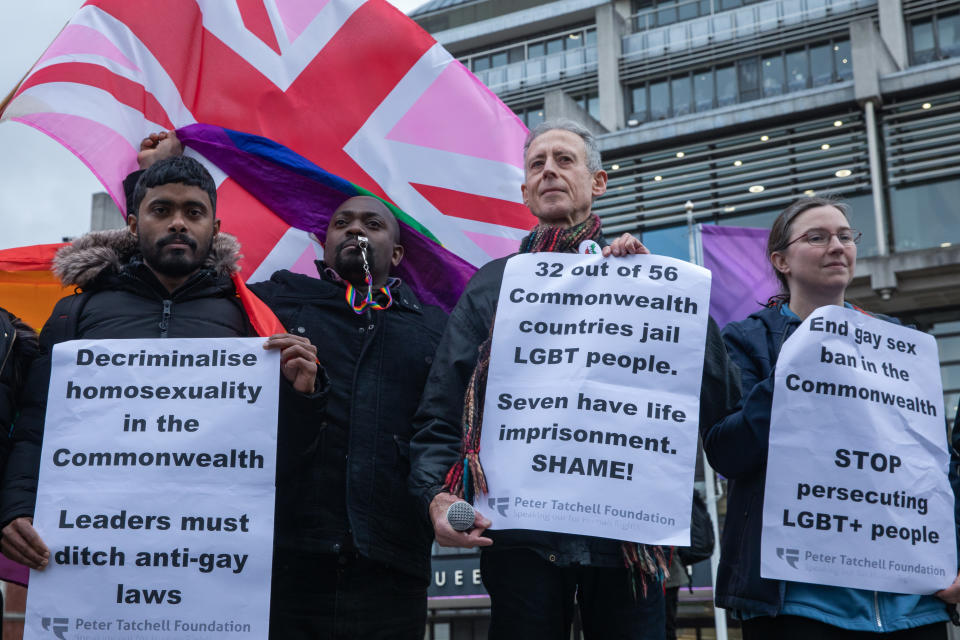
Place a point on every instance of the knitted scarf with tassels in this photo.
(466, 479)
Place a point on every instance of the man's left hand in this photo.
(623, 246)
(952, 593)
(298, 360)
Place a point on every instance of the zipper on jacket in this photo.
(165, 318)
(13, 340)
(876, 610)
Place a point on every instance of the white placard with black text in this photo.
(592, 403)
(857, 493)
(156, 490)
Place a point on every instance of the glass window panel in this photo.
(927, 215)
(757, 220)
(498, 59)
(746, 22)
(863, 220)
(792, 11)
(441, 631)
(638, 99)
(593, 106)
(722, 26)
(537, 49)
(821, 65)
(772, 67)
(730, 4)
(699, 32)
(515, 75)
(533, 71)
(703, 90)
(554, 46)
(942, 328)
(921, 40)
(659, 100)
(797, 70)
(687, 10)
(680, 89)
(516, 54)
(574, 41)
(672, 242)
(948, 30)
(534, 117)
(481, 64)
(843, 61)
(816, 9)
(554, 66)
(574, 61)
(656, 42)
(950, 374)
(704, 7)
(950, 406)
(591, 38)
(749, 79)
(768, 16)
(948, 348)
(726, 86)
(677, 38)
(666, 15)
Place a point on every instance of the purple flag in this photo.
(743, 279)
(11, 571)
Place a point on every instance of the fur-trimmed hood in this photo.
(81, 262)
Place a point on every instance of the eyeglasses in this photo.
(821, 237)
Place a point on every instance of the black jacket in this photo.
(18, 349)
(121, 299)
(377, 362)
(436, 445)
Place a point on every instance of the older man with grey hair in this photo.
(535, 579)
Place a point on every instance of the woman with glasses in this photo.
(813, 251)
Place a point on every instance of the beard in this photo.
(178, 263)
(349, 266)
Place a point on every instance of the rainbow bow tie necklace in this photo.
(363, 242)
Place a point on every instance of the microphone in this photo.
(461, 515)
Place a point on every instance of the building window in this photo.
(927, 215)
(658, 13)
(935, 37)
(772, 75)
(748, 79)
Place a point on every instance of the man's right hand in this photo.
(157, 147)
(21, 543)
(446, 535)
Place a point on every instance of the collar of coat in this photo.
(98, 253)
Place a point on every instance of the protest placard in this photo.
(592, 402)
(156, 490)
(857, 493)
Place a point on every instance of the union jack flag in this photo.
(353, 86)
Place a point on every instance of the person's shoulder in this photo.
(288, 283)
(489, 275)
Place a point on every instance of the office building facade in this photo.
(740, 106)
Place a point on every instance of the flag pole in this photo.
(709, 476)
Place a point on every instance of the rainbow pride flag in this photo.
(305, 196)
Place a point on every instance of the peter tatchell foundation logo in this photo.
(500, 504)
(57, 626)
(790, 556)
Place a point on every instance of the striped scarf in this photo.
(645, 563)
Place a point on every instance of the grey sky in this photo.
(44, 189)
